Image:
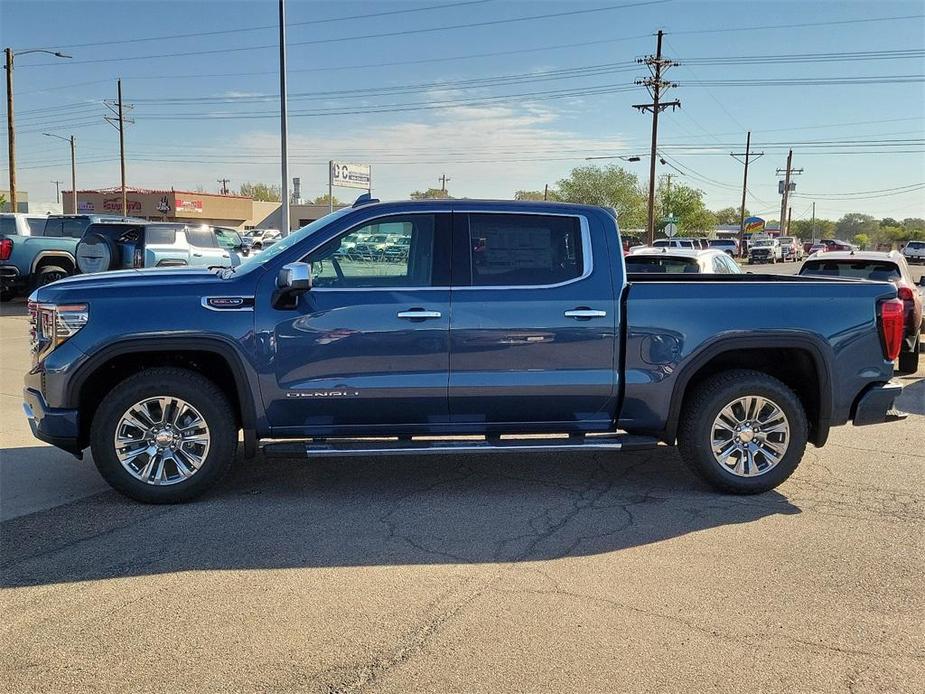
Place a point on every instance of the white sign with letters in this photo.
(345, 175)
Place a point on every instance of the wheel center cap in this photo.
(746, 435)
(163, 438)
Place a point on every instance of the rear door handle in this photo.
(419, 314)
(585, 313)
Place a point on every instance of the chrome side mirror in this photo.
(293, 280)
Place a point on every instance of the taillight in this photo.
(6, 249)
(905, 294)
(891, 327)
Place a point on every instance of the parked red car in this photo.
(884, 267)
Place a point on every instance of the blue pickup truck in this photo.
(507, 326)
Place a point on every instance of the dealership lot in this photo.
(546, 573)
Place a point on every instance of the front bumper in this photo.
(58, 426)
(875, 405)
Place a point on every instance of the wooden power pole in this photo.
(118, 120)
(656, 86)
(748, 154)
(788, 172)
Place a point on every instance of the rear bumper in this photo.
(875, 405)
(58, 426)
(10, 277)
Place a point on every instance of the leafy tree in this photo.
(862, 240)
(536, 195)
(730, 215)
(803, 228)
(913, 223)
(686, 204)
(889, 222)
(264, 192)
(430, 194)
(855, 223)
(608, 186)
(326, 200)
(2, 202)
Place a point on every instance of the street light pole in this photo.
(73, 142)
(283, 123)
(11, 130)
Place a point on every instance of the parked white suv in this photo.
(22, 224)
(914, 252)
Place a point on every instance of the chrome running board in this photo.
(317, 448)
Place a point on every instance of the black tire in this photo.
(48, 274)
(701, 408)
(909, 361)
(187, 385)
(7, 295)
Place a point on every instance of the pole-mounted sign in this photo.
(344, 175)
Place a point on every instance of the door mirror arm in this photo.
(293, 280)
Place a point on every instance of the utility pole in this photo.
(118, 121)
(546, 192)
(224, 189)
(788, 172)
(655, 86)
(747, 154)
(284, 125)
(11, 131)
(668, 194)
(58, 191)
(789, 217)
(443, 181)
(814, 221)
(73, 144)
(10, 128)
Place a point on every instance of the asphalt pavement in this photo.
(572, 573)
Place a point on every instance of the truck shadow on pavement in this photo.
(913, 398)
(297, 514)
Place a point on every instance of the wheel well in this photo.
(109, 374)
(61, 261)
(794, 366)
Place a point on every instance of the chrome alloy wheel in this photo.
(750, 436)
(162, 440)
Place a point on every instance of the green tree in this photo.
(913, 223)
(730, 215)
(803, 229)
(2, 202)
(686, 204)
(536, 195)
(862, 240)
(264, 192)
(889, 222)
(855, 223)
(431, 194)
(326, 200)
(608, 186)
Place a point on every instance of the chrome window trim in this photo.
(586, 251)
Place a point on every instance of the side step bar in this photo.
(318, 448)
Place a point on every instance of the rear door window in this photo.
(524, 250)
(36, 225)
(201, 237)
(7, 226)
(160, 236)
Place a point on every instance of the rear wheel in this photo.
(743, 431)
(164, 435)
(909, 361)
(50, 273)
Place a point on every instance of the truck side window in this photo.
(524, 250)
(201, 237)
(389, 252)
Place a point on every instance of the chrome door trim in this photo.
(418, 315)
(585, 313)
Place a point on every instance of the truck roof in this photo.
(877, 256)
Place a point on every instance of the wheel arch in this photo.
(788, 357)
(213, 357)
(39, 261)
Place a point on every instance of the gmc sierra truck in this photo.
(507, 326)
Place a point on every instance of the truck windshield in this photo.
(295, 237)
(764, 243)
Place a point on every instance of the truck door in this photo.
(533, 333)
(367, 348)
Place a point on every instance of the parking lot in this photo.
(558, 572)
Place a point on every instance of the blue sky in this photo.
(520, 132)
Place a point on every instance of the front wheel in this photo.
(743, 431)
(49, 274)
(164, 435)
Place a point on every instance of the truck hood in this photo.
(135, 280)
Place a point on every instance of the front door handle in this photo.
(585, 313)
(419, 314)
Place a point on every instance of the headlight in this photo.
(51, 325)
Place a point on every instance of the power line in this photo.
(364, 37)
(330, 20)
(799, 25)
